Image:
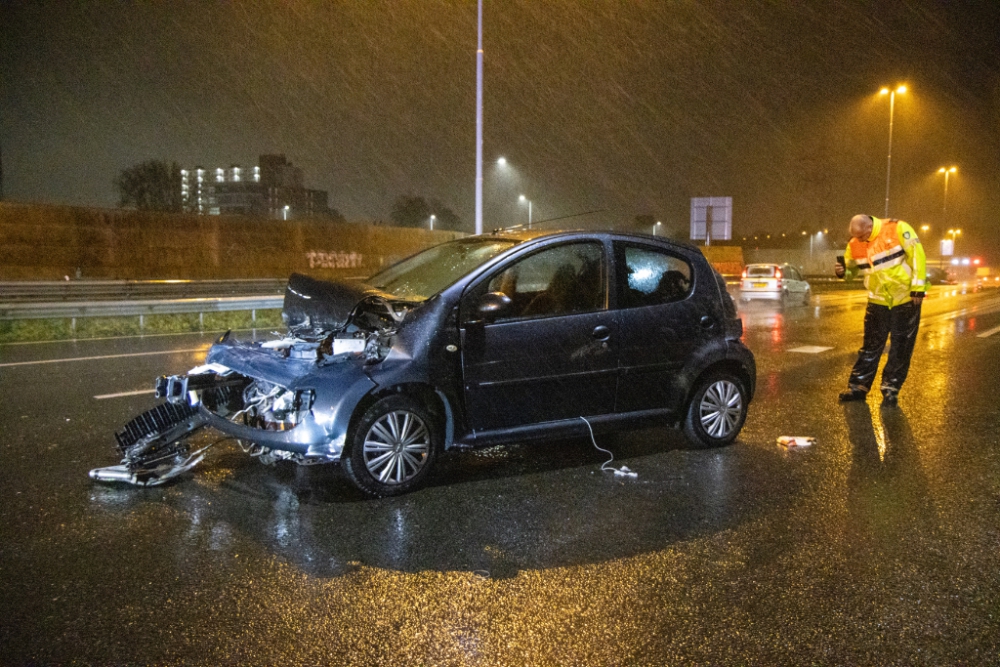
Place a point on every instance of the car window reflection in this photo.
(559, 281)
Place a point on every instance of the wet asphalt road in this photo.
(878, 545)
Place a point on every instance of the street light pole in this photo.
(944, 210)
(888, 161)
(432, 222)
(658, 223)
(479, 125)
(523, 198)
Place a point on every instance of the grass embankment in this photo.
(18, 331)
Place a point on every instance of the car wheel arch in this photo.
(435, 400)
(730, 366)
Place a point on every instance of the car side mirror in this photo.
(492, 304)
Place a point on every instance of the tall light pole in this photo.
(888, 162)
(433, 217)
(284, 212)
(944, 209)
(658, 224)
(479, 125)
(523, 198)
(818, 235)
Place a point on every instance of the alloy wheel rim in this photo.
(721, 409)
(397, 447)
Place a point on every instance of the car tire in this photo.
(717, 410)
(393, 446)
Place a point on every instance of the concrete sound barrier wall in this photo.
(42, 242)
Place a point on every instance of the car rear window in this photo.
(760, 271)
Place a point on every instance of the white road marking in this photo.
(985, 308)
(989, 332)
(810, 349)
(123, 394)
(104, 356)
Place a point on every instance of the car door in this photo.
(661, 325)
(793, 279)
(551, 353)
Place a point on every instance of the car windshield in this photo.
(427, 273)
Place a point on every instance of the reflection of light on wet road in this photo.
(879, 430)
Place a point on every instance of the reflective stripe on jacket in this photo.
(892, 262)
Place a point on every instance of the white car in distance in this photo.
(774, 282)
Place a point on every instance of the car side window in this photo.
(558, 281)
(650, 277)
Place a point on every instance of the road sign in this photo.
(711, 218)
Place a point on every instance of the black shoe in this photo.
(853, 395)
(890, 399)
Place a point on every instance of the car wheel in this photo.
(393, 446)
(717, 411)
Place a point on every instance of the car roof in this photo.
(522, 235)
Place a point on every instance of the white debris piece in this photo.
(796, 441)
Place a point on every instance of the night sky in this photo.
(632, 107)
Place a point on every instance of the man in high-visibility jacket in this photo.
(889, 255)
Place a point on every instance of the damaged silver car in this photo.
(498, 338)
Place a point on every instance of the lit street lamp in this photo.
(284, 212)
(433, 217)
(888, 162)
(523, 198)
(658, 224)
(944, 209)
(811, 237)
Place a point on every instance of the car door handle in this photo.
(601, 332)
(707, 322)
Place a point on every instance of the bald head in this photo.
(861, 227)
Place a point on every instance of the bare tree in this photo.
(411, 211)
(153, 185)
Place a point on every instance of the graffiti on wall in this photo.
(335, 260)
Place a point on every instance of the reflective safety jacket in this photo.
(892, 262)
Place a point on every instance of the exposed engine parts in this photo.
(154, 446)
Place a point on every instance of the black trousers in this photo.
(901, 323)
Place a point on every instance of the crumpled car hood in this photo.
(324, 304)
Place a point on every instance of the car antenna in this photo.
(542, 222)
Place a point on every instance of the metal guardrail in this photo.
(74, 309)
(128, 290)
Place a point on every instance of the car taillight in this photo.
(744, 273)
(777, 274)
